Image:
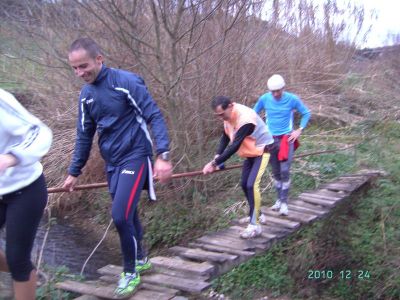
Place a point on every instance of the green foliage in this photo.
(101, 206)
(352, 79)
(48, 290)
(170, 223)
(165, 226)
(360, 239)
(372, 247)
(266, 271)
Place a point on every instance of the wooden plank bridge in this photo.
(190, 268)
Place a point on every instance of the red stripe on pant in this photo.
(133, 192)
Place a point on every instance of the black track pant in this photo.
(21, 212)
(253, 170)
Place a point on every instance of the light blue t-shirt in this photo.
(279, 113)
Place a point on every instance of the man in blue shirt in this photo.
(117, 105)
(279, 107)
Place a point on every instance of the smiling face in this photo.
(85, 66)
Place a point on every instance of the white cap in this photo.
(275, 82)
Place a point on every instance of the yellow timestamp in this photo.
(338, 274)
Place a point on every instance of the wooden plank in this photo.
(357, 175)
(293, 215)
(325, 192)
(113, 279)
(182, 274)
(305, 210)
(235, 238)
(348, 188)
(312, 200)
(189, 267)
(110, 270)
(222, 249)
(85, 297)
(247, 244)
(97, 290)
(169, 289)
(202, 255)
(221, 266)
(158, 288)
(234, 232)
(242, 221)
(227, 243)
(183, 284)
(351, 180)
(142, 294)
(340, 187)
(358, 184)
(172, 266)
(111, 273)
(265, 235)
(372, 173)
(260, 242)
(280, 232)
(355, 181)
(282, 222)
(322, 196)
(110, 279)
(312, 206)
(148, 294)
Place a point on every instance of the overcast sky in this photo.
(388, 21)
(382, 17)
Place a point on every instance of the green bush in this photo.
(48, 290)
(361, 236)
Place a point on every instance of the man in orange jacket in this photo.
(245, 134)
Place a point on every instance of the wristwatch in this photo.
(164, 156)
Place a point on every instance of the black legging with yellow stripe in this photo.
(253, 170)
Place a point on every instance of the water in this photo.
(70, 247)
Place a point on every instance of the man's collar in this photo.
(101, 74)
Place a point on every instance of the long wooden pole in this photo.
(185, 174)
(104, 184)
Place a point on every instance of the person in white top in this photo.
(24, 140)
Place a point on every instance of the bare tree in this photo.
(187, 50)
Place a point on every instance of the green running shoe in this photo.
(143, 265)
(127, 284)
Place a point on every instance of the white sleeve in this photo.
(30, 139)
